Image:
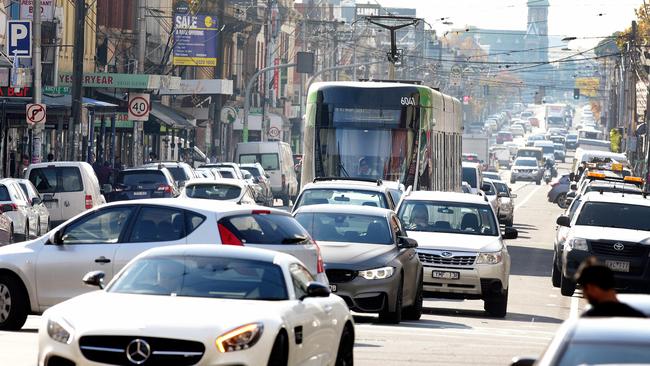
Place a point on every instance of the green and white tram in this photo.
(383, 130)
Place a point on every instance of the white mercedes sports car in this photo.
(201, 305)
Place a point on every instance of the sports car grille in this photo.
(340, 275)
(629, 249)
(162, 351)
(463, 260)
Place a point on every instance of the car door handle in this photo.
(102, 259)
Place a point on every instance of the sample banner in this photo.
(195, 40)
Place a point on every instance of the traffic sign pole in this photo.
(37, 135)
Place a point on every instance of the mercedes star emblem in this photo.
(138, 351)
(619, 246)
(446, 254)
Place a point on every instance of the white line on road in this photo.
(530, 195)
(575, 302)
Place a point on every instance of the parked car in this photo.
(346, 191)
(34, 199)
(277, 159)
(491, 175)
(6, 229)
(44, 272)
(223, 189)
(461, 246)
(261, 178)
(182, 172)
(559, 189)
(151, 181)
(506, 202)
(490, 192)
(67, 188)
(202, 305)
(24, 216)
(526, 169)
(369, 260)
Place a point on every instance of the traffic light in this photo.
(576, 93)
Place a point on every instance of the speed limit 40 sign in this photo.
(139, 106)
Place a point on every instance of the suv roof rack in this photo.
(370, 180)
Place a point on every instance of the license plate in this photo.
(332, 288)
(139, 193)
(444, 275)
(618, 266)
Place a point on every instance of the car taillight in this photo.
(89, 201)
(320, 265)
(164, 188)
(261, 212)
(227, 237)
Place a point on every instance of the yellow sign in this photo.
(588, 86)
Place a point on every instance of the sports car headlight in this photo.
(489, 258)
(577, 244)
(240, 338)
(377, 273)
(60, 330)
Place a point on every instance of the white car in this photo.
(490, 192)
(41, 273)
(19, 209)
(347, 191)
(461, 246)
(202, 305)
(222, 189)
(43, 222)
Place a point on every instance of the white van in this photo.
(67, 188)
(276, 158)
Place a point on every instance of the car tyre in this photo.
(414, 312)
(345, 354)
(280, 351)
(14, 304)
(497, 306)
(556, 275)
(393, 317)
(567, 287)
(561, 200)
(513, 181)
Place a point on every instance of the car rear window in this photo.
(213, 191)
(349, 228)
(142, 178)
(262, 228)
(469, 176)
(56, 179)
(342, 197)
(227, 173)
(254, 172)
(267, 161)
(4, 194)
(178, 173)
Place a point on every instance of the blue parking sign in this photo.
(19, 38)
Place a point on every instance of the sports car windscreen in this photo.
(448, 217)
(196, 276)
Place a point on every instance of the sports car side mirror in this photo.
(563, 221)
(95, 278)
(56, 237)
(317, 289)
(510, 233)
(407, 243)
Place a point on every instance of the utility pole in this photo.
(77, 72)
(142, 35)
(37, 133)
(269, 97)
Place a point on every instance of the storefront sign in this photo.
(195, 39)
(27, 10)
(9, 92)
(56, 90)
(200, 86)
(110, 80)
(121, 121)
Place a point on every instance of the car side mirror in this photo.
(267, 175)
(510, 233)
(56, 237)
(574, 187)
(563, 221)
(317, 289)
(107, 188)
(405, 242)
(36, 201)
(95, 279)
(247, 176)
(523, 361)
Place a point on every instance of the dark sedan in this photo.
(144, 182)
(369, 260)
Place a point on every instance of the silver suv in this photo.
(347, 191)
(461, 246)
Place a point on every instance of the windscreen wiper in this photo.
(342, 169)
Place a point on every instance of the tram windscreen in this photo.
(365, 143)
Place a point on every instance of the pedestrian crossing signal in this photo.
(576, 93)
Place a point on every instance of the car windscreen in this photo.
(548, 149)
(260, 228)
(142, 178)
(213, 191)
(53, 179)
(529, 154)
(342, 197)
(267, 161)
(4, 194)
(502, 187)
(488, 189)
(349, 228)
(606, 352)
(448, 217)
(614, 215)
(197, 276)
(178, 173)
(526, 162)
(469, 176)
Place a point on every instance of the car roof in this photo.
(207, 206)
(144, 167)
(543, 143)
(617, 330)
(351, 209)
(525, 158)
(615, 197)
(467, 164)
(445, 197)
(168, 164)
(346, 184)
(210, 250)
(231, 181)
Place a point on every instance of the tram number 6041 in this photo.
(408, 101)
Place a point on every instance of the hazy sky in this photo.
(579, 18)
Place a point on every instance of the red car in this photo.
(504, 136)
(533, 121)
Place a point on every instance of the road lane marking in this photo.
(530, 195)
(575, 304)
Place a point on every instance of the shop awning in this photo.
(171, 117)
(66, 101)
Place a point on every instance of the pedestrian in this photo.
(598, 284)
(104, 173)
(50, 157)
(118, 164)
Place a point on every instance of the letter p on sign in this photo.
(20, 38)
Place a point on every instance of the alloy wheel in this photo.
(5, 302)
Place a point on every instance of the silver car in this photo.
(369, 260)
(43, 221)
